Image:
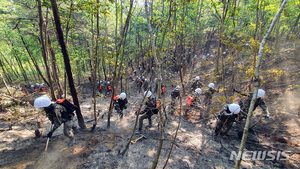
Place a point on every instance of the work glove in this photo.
(49, 135)
(267, 116)
(125, 107)
(234, 90)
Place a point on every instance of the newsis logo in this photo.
(260, 155)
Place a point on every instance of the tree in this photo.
(256, 85)
(67, 62)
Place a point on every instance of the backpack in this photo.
(67, 104)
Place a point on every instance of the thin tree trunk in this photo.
(95, 59)
(21, 66)
(116, 30)
(179, 120)
(158, 66)
(261, 25)
(68, 23)
(295, 24)
(92, 48)
(4, 71)
(67, 63)
(257, 21)
(124, 34)
(197, 20)
(17, 76)
(54, 67)
(41, 23)
(5, 85)
(35, 77)
(256, 85)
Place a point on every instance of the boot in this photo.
(72, 141)
(139, 131)
(121, 115)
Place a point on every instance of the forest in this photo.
(217, 81)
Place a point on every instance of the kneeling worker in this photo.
(226, 118)
(120, 104)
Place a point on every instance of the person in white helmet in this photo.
(145, 85)
(57, 114)
(196, 84)
(148, 111)
(100, 86)
(138, 83)
(175, 95)
(121, 104)
(108, 87)
(208, 94)
(245, 105)
(226, 118)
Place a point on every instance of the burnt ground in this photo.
(194, 147)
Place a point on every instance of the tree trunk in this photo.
(21, 66)
(233, 17)
(17, 76)
(124, 34)
(5, 85)
(67, 63)
(4, 71)
(197, 20)
(54, 67)
(256, 85)
(41, 23)
(158, 66)
(257, 21)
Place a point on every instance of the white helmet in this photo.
(42, 102)
(37, 84)
(149, 94)
(197, 78)
(211, 85)
(31, 86)
(198, 90)
(234, 108)
(177, 87)
(261, 93)
(122, 96)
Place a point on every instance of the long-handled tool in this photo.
(48, 139)
(134, 141)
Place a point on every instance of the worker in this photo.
(57, 114)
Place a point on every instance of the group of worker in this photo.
(58, 114)
(229, 113)
(32, 88)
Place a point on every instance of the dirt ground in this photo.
(194, 147)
